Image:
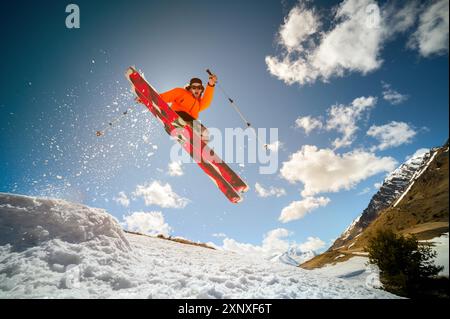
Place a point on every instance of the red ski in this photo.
(223, 176)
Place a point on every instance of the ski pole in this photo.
(236, 108)
(110, 124)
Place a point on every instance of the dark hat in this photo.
(195, 80)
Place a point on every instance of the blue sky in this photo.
(287, 64)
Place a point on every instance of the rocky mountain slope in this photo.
(393, 186)
(412, 200)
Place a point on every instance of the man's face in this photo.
(196, 89)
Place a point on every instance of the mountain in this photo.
(293, 257)
(393, 186)
(52, 248)
(412, 200)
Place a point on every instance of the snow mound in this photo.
(55, 249)
(46, 244)
(26, 222)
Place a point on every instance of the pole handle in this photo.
(209, 72)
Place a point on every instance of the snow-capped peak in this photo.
(346, 232)
(410, 166)
(293, 257)
(394, 185)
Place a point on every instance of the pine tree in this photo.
(405, 265)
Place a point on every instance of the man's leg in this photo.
(196, 125)
(201, 130)
(204, 133)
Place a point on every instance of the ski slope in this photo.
(56, 249)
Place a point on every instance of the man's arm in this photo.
(171, 95)
(206, 100)
(209, 93)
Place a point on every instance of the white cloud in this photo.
(175, 168)
(312, 53)
(298, 209)
(352, 45)
(399, 16)
(218, 235)
(274, 243)
(242, 248)
(323, 170)
(392, 96)
(122, 199)
(343, 118)
(297, 27)
(273, 240)
(267, 192)
(308, 123)
(312, 244)
(358, 30)
(431, 37)
(151, 223)
(392, 134)
(158, 194)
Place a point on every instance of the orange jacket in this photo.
(183, 100)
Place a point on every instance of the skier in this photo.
(229, 183)
(189, 101)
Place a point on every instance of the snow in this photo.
(56, 249)
(440, 245)
(356, 269)
(293, 257)
(286, 259)
(415, 177)
(344, 269)
(347, 231)
(412, 164)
